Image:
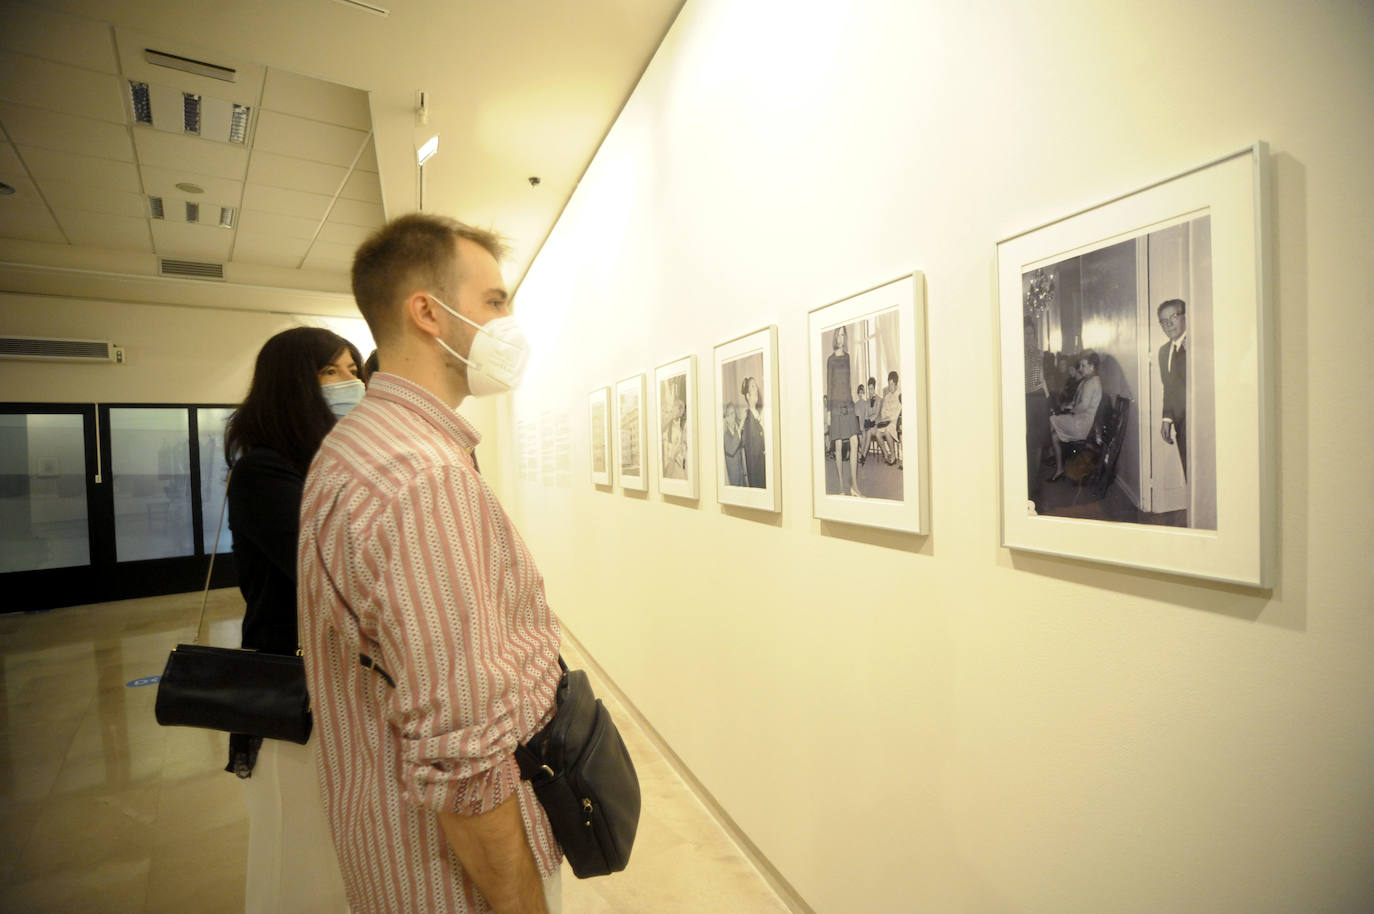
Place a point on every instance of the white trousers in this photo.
(291, 864)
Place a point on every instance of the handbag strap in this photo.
(219, 527)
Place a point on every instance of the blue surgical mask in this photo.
(342, 396)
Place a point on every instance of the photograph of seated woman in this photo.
(1074, 423)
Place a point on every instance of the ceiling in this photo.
(298, 141)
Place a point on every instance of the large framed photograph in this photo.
(1136, 415)
(675, 393)
(746, 416)
(629, 421)
(868, 408)
(599, 433)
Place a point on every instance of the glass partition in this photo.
(150, 460)
(210, 424)
(43, 513)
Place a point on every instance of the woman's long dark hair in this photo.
(284, 409)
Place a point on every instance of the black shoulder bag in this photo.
(232, 689)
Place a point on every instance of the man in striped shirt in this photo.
(407, 560)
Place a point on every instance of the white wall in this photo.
(937, 724)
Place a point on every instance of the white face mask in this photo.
(496, 361)
(342, 396)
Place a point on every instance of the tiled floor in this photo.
(105, 811)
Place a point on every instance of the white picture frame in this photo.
(601, 451)
(752, 360)
(1190, 252)
(632, 459)
(678, 427)
(868, 451)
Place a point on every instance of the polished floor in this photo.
(105, 811)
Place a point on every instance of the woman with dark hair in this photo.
(304, 379)
(841, 421)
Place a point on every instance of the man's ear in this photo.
(421, 311)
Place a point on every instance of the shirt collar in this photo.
(1178, 343)
(396, 389)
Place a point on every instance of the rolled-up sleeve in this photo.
(449, 622)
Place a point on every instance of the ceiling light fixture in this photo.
(192, 212)
(155, 207)
(190, 107)
(190, 65)
(238, 124)
(187, 187)
(143, 105)
(226, 217)
(5, 189)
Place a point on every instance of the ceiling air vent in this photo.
(190, 65)
(29, 347)
(194, 269)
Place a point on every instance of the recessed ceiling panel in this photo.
(65, 39)
(162, 182)
(348, 235)
(13, 173)
(51, 165)
(29, 223)
(327, 256)
(296, 174)
(363, 185)
(190, 154)
(58, 87)
(99, 230)
(356, 212)
(64, 196)
(295, 136)
(269, 250)
(316, 100)
(252, 220)
(81, 135)
(285, 202)
(191, 242)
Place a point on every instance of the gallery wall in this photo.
(936, 723)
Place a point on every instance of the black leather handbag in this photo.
(231, 689)
(584, 778)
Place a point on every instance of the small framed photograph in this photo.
(1136, 400)
(629, 422)
(675, 393)
(599, 433)
(868, 408)
(746, 413)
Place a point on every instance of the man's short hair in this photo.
(872, 382)
(892, 377)
(1175, 302)
(418, 250)
(1092, 358)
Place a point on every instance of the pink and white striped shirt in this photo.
(406, 556)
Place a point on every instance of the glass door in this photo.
(109, 502)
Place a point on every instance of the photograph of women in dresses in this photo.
(673, 436)
(861, 375)
(741, 380)
(1120, 401)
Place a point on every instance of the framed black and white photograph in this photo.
(1136, 409)
(629, 420)
(675, 393)
(599, 432)
(868, 417)
(746, 417)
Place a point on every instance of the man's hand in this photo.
(1166, 431)
(496, 856)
